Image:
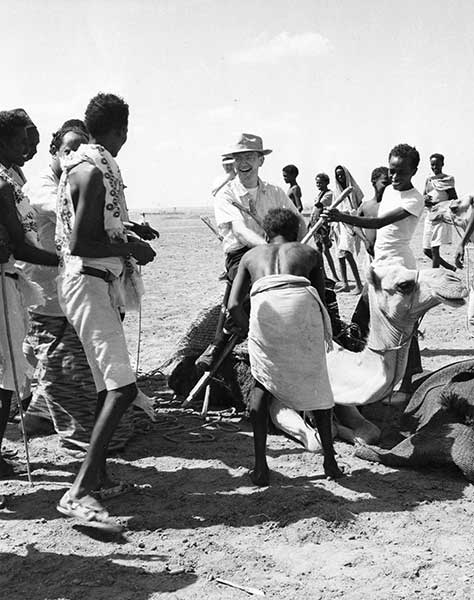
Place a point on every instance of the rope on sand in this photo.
(178, 432)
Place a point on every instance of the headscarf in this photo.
(355, 197)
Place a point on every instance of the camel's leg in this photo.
(353, 426)
(289, 421)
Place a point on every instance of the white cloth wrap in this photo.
(288, 333)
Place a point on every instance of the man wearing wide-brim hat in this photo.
(240, 207)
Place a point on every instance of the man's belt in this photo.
(107, 276)
(12, 275)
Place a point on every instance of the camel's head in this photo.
(403, 295)
(460, 211)
(455, 212)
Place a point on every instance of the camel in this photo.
(398, 297)
(455, 212)
(439, 420)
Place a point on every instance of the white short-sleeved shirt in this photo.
(267, 197)
(393, 241)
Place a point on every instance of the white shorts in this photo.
(91, 306)
(434, 233)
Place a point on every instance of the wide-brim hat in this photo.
(248, 142)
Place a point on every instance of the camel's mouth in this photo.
(455, 302)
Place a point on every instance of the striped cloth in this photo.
(64, 390)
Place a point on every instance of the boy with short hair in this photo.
(438, 188)
(97, 275)
(19, 236)
(288, 330)
(399, 212)
(290, 173)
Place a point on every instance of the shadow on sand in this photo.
(40, 575)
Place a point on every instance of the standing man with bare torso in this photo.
(97, 273)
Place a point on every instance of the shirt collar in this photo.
(242, 191)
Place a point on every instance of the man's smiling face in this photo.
(247, 165)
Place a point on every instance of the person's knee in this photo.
(126, 394)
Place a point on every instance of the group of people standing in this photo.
(70, 261)
(348, 239)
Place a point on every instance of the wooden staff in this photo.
(14, 372)
(208, 375)
(321, 220)
(207, 222)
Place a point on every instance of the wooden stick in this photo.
(209, 374)
(320, 221)
(249, 590)
(207, 222)
(205, 404)
(13, 366)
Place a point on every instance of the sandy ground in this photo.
(377, 534)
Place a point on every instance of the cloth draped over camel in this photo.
(288, 334)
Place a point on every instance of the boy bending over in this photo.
(288, 331)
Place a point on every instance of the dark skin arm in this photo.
(393, 216)
(296, 194)
(143, 230)
(316, 276)
(459, 256)
(20, 247)
(240, 289)
(88, 238)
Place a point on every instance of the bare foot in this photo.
(331, 470)
(260, 477)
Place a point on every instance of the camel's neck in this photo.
(368, 375)
(386, 334)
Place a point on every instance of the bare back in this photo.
(288, 258)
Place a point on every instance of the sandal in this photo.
(88, 514)
(120, 488)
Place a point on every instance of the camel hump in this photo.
(456, 378)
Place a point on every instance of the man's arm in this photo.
(246, 236)
(316, 275)
(452, 195)
(21, 249)
(87, 237)
(459, 255)
(367, 222)
(296, 197)
(239, 291)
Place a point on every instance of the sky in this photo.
(323, 82)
